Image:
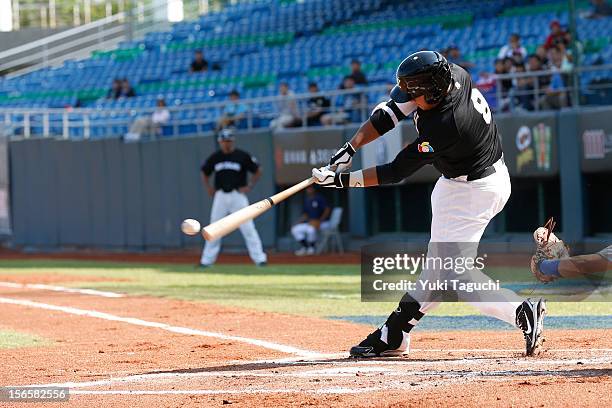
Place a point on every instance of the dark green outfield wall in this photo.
(133, 196)
(112, 194)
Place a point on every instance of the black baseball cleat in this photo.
(373, 346)
(530, 319)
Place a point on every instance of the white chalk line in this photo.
(347, 368)
(321, 357)
(391, 383)
(54, 288)
(163, 326)
(330, 390)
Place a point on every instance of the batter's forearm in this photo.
(360, 178)
(364, 135)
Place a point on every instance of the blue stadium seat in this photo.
(257, 44)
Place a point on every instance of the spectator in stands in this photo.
(508, 64)
(505, 84)
(234, 112)
(356, 74)
(600, 9)
(570, 59)
(150, 125)
(315, 212)
(513, 49)
(534, 64)
(348, 106)
(531, 89)
(289, 116)
(317, 106)
(557, 35)
(560, 52)
(522, 88)
(115, 91)
(199, 63)
(126, 89)
(454, 56)
(555, 94)
(542, 54)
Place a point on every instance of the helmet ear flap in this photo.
(441, 82)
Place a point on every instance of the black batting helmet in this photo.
(422, 73)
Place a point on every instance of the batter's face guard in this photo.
(424, 73)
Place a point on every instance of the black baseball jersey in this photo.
(459, 136)
(230, 169)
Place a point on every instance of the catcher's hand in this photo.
(342, 159)
(548, 246)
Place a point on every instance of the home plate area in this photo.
(336, 374)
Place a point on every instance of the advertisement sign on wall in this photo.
(534, 145)
(530, 145)
(296, 153)
(595, 131)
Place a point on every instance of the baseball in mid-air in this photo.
(190, 226)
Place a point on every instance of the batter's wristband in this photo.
(344, 180)
(350, 149)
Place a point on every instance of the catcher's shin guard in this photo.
(392, 338)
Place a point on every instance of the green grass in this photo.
(312, 290)
(13, 339)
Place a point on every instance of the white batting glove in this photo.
(341, 160)
(326, 177)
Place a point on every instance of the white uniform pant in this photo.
(225, 204)
(306, 231)
(461, 210)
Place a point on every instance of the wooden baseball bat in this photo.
(229, 223)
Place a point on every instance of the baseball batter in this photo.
(458, 136)
(230, 166)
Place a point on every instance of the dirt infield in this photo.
(144, 351)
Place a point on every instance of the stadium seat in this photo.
(258, 44)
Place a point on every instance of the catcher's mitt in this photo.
(548, 246)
